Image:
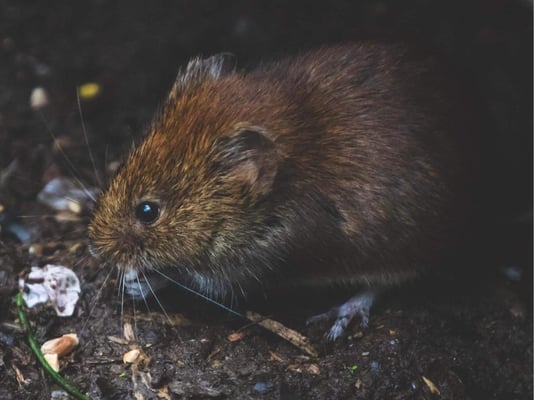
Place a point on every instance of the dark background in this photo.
(133, 51)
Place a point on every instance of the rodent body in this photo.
(339, 166)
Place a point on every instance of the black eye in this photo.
(147, 212)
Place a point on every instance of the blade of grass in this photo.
(23, 319)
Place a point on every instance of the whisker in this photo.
(84, 130)
(188, 289)
(106, 161)
(134, 316)
(27, 180)
(156, 297)
(74, 170)
(141, 290)
(123, 284)
(43, 216)
(119, 281)
(95, 301)
(82, 260)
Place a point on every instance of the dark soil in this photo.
(469, 332)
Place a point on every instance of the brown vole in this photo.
(340, 166)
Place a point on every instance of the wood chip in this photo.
(235, 337)
(276, 357)
(431, 386)
(292, 336)
(313, 369)
(163, 393)
(214, 353)
(128, 332)
(117, 340)
(295, 368)
(20, 377)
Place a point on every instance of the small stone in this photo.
(88, 91)
(263, 387)
(38, 98)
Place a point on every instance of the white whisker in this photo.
(43, 216)
(141, 291)
(123, 285)
(134, 316)
(119, 281)
(224, 307)
(95, 301)
(156, 297)
(84, 130)
(74, 170)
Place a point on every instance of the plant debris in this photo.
(61, 345)
(433, 388)
(284, 332)
(55, 284)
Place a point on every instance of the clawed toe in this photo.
(359, 305)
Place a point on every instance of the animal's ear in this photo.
(249, 157)
(202, 69)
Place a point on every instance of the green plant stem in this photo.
(37, 351)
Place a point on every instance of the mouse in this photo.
(348, 165)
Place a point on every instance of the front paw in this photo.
(359, 305)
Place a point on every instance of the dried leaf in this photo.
(117, 340)
(128, 332)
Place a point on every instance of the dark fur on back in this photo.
(343, 165)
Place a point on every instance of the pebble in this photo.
(38, 98)
(263, 387)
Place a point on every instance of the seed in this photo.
(131, 356)
(60, 346)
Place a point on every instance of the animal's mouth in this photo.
(130, 275)
(134, 286)
(141, 286)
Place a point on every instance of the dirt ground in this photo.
(468, 333)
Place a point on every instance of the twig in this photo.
(292, 336)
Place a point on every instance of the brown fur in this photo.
(340, 165)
